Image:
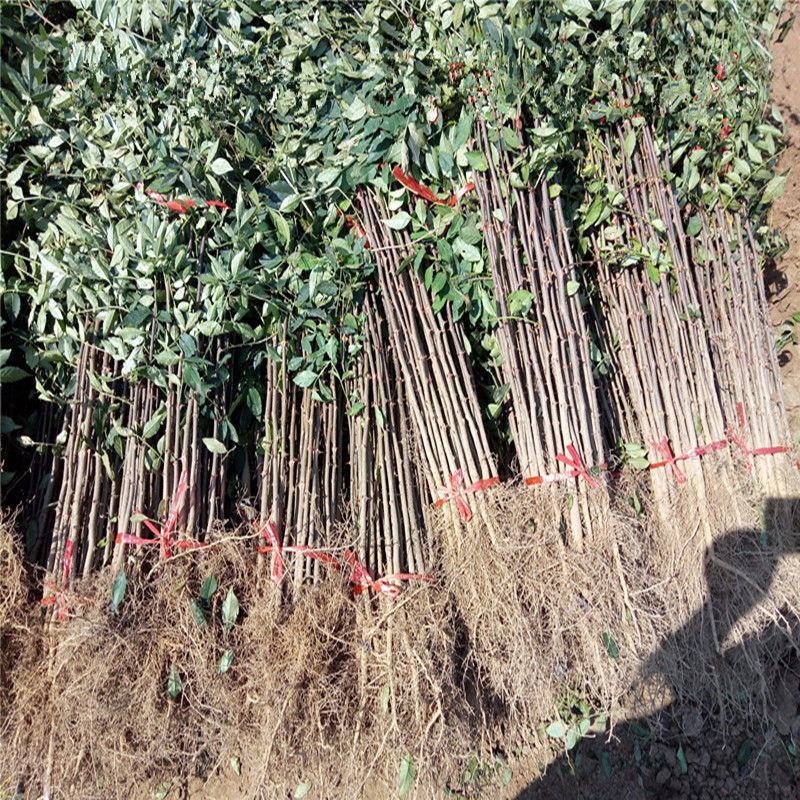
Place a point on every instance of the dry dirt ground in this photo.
(785, 283)
(741, 765)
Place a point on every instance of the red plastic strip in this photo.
(354, 225)
(456, 198)
(179, 206)
(739, 438)
(270, 534)
(58, 598)
(363, 581)
(359, 574)
(68, 547)
(164, 536)
(457, 490)
(425, 193)
(663, 449)
(578, 468)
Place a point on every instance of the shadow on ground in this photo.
(694, 751)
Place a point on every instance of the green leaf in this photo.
(511, 138)
(744, 753)
(356, 110)
(225, 662)
(572, 737)
(582, 9)
(305, 378)
(281, 226)
(230, 610)
(682, 760)
(300, 791)
(215, 445)
(694, 226)
(383, 700)
(593, 212)
(162, 790)
(467, 251)
(208, 588)
(477, 161)
(154, 424)
(519, 302)
(572, 287)
(399, 220)
(653, 272)
(220, 166)
(174, 683)
(328, 176)
(774, 189)
(630, 142)
(254, 402)
(236, 765)
(118, 591)
(556, 729)
(405, 776)
(610, 646)
(12, 374)
(198, 614)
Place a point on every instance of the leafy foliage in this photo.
(119, 121)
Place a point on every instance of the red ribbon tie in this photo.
(739, 438)
(578, 468)
(425, 193)
(663, 449)
(164, 536)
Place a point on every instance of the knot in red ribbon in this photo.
(663, 449)
(578, 468)
(270, 534)
(165, 535)
(58, 598)
(739, 438)
(360, 576)
(456, 492)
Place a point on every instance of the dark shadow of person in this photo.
(713, 745)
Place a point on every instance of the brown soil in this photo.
(785, 282)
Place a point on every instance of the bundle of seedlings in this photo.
(544, 341)
(135, 452)
(302, 476)
(665, 384)
(662, 381)
(385, 494)
(429, 352)
(727, 269)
